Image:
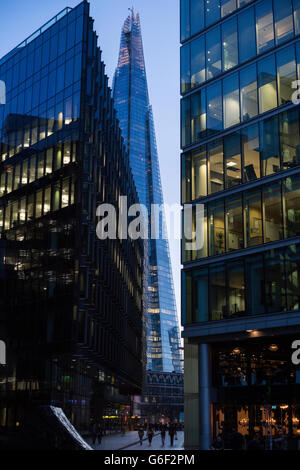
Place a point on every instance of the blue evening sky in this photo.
(160, 29)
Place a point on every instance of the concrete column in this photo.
(204, 396)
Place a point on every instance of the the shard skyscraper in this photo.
(136, 121)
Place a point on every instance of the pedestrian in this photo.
(163, 436)
(100, 434)
(172, 432)
(94, 432)
(150, 436)
(141, 435)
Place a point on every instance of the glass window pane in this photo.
(232, 160)
(185, 19)
(273, 223)
(253, 215)
(286, 69)
(227, 7)
(275, 281)
(41, 165)
(247, 40)
(214, 108)
(215, 167)
(197, 116)
(39, 203)
(269, 138)
(236, 289)
(267, 84)
(212, 11)
(234, 217)
(17, 176)
(32, 169)
(213, 53)
(255, 284)
(198, 61)
(47, 200)
(49, 162)
(201, 227)
(283, 20)
(199, 174)
(289, 138)
(264, 26)
(185, 72)
(200, 295)
(56, 197)
(185, 122)
(296, 8)
(292, 263)
(186, 183)
(65, 198)
(217, 290)
(251, 153)
(231, 101)
(25, 172)
(230, 44)
(197, 16)
(291, 189)
(248, 84)
(216, 228)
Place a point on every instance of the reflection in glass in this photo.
(264, 26)
(198, 112)
(283, 20)
(212, 11)
(289, 138)
(213, 53)
(185, 73)
(197, 16)
(251, 153)
(273, 223)
(253, 215)
(267, 84)
(291, 188)
(248, 84)
(214, 107)
(286, 70)
(275, 281)
(197, 61)
(255, 280)
(185, 19)
(230, 44)
(216, 228)
(215, 167)
(236, 289)
(199, 174)
(185, 122)
(232, 160)
(269, 138)
(296, 8)
(227, 7)
(234, 223)
(292, 257)
(217, 284)
(247, 40)
(231, 101)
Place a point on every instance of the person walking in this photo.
(150, 436)
(163, 436)
(100, 434)
(141, 435)
(172, 432)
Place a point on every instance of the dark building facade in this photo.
(71, 307)
(136, 121)
(241, 287)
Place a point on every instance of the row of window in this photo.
(253, 152)
(259, 284)
(199, 14)
(35, 205)
(37, 166)
(237, 40)
(253, 90)
(254, 217)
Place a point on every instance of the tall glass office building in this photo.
(241, 160)
(136, 121)
(71, 305)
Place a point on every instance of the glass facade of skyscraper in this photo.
(136, 121)
(240, 158)
(71, 307)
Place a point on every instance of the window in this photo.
(56, 197)
(217, 284)
(275, 281)
(214, 108)
(234, 223)
(185, 19)
(200, 295)
(186, 182)
(227, 7)
(230, 44)
(232, 160)
(197, 16)
(286, 69)
(248, 85)
(212, 11)
(236, 289)
(291, 188)
(264, 26)
(213, 53)
(197, 116)
(296, 7)
(185, 122)
(289, 138)
(251, 153)
(25, 172)
(215, 167)
(199, 174)
(216, 228)
(253, 215)
(39, 204)
(255, 280)
(269, 138)
(198, 61)
(185, 68)
(292, 257)
(273, 223)
(65, 198)
(47, 200)
(267, 84)
(283, 20)
(247, 41)
(40, 165)
(231, 101)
